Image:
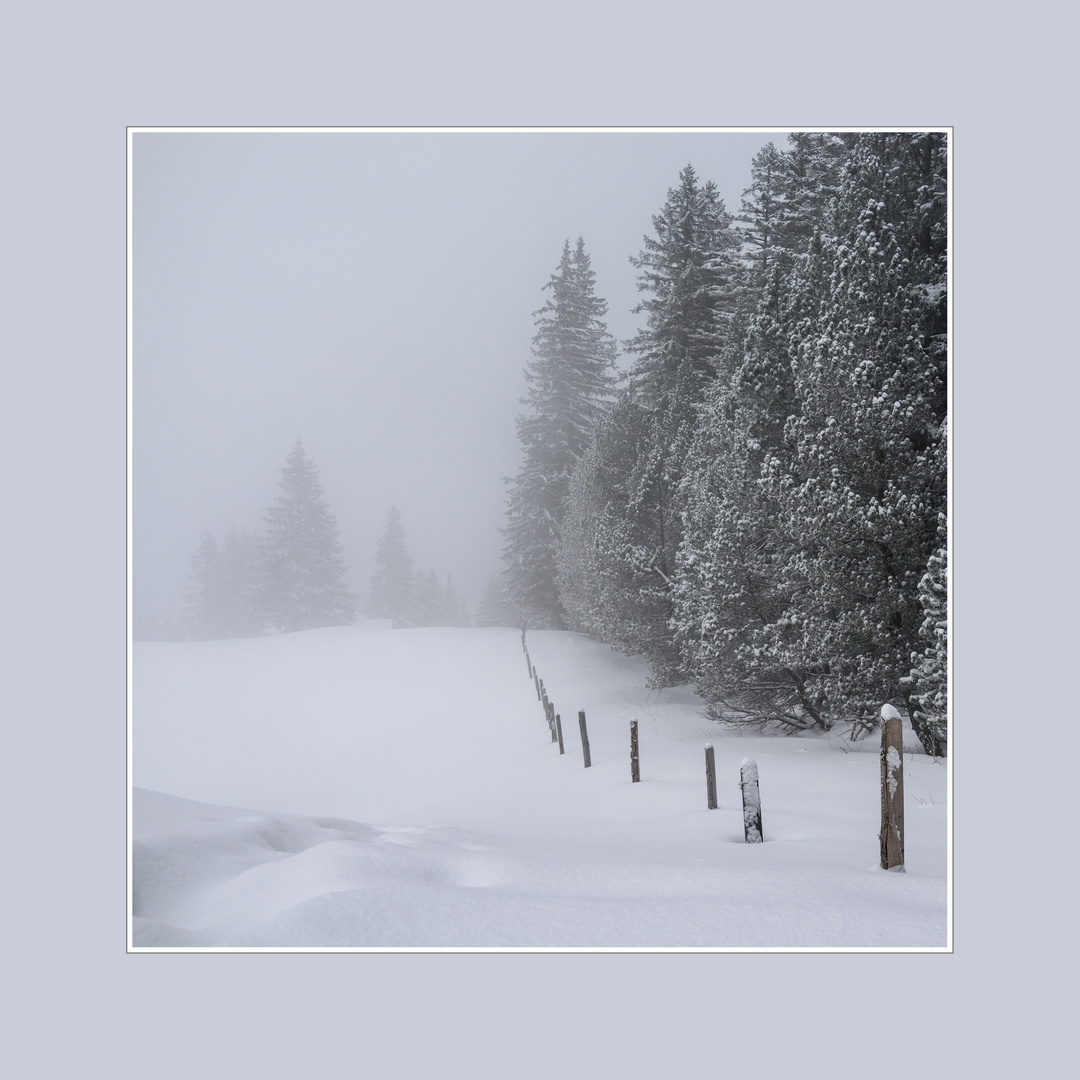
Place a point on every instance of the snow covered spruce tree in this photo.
(219, 599)
(570, 379)
(864, 480)
(733, 616)
(204, 616)
(614, 525)
(628, 514)
(301, 575)
(438, 602)
(735, 621)
(927, 686)
(495, 608)
(395, 591)
(815, 478)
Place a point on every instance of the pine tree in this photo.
(612, 575)
(763, 215)
(495, 608)
(690, 271)
(453, 610)
(239, 569)
(570, 379)
(814, 478)
(618, 564)
(926, 689)
(204, 616)
(864, 481)
(395, 592)
(733, 609)
(430, 601)
(301, 575)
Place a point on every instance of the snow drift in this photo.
(411, 797)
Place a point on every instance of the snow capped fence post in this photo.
(551, 719)
(751, 801)
(635, 773)
(558, 730)
(892, 790)
(710, 776)
(537, 683)
(584, 737)
(528, 664)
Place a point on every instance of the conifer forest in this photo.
(751, 492)
(760, 504)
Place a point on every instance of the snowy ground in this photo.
(410, 796)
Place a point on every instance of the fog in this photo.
(374, 294)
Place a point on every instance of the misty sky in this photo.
(373, 293)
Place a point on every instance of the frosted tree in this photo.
(864, 481)
(734, 618)
(395, 591)
(495, 608)
(689, 271)
(430, 601)
(609, 579)
(927, 686)
(570, 378)
(627, 515)
(815, 477)
(204, 616)
(452, 607)
(239, 570)
(301, 579)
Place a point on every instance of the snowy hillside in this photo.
(402, 791)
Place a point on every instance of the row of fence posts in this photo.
(891, 836)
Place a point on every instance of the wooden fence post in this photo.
(751, 801)
(635, 772)
(584, 737)
(551, 719)
(528, 663)
(891, 836)
(558, 730)
(710, 776)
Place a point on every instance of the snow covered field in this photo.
(400, 790)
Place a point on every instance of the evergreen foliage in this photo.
(570, 379)
(219, 600)
(818, 476)
(301, 575)
(760, 511)
(495, 608)
(927, 686)
(203, 617)
(627, 514)
(395, 592)
(689, 270)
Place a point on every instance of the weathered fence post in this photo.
(892, 790)
(551, 719)
(710, 776)
(751, 801)
(635, 773)
(537, 682)
(528, 663)
(584, 737)
(558, 730)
